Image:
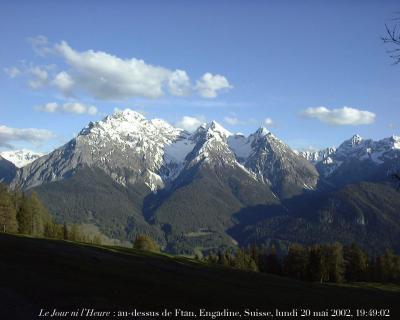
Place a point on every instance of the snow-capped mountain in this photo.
(21, 157)
(132, 149)
(368, 149)
(357, 159)
(274, 162)
(316, 156)
(130, 175)
(126, 145)
(211, 146)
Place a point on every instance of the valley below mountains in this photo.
(211, 189)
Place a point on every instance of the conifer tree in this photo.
(317, 266)
(96, 239)
(212, 258)
(38, 215)
(146, 243)
(73, 233)
(269, 261)
(254, 253)
(65, 231)
(223, 259)
(23, 216)
(389, 267)
(356, 261)
(244, 261)
(335, 261)
(16, 199)
(8, 217)
(296, 261)
(52, 230)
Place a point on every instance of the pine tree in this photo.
(23, 216)
(65, 231)
(269, 261)
(212, 258)
(16, 199)
(222, 258)
(296, 261)
(97, 239)
(52, 230)
(146, 243)
(73, 233)
(389, 267)
(8, 217)
(335, 261)
(254, 253)
(356, 262)
(244, 261)
(317, 266)
(38, 215)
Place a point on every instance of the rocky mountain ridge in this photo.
(21, 157)
(211, 188)
(131, 149)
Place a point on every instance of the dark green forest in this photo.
(317, 263)
(25, 214)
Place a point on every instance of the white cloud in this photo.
(231, 120)
(31, 135)
(108, 77)
(209, 85)
(268, 122)
(79, 108)
(190, 123)
(340, 116)
(63, 82)
(179, 83)
(40, 77)
(12, 72)
(104, 76)
(40, 45)
(69, 107)
(49, 107)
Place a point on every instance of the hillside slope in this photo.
(364, 213)
(52, 274)
(7, 170)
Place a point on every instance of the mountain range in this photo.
(210, 188)
(22, 157)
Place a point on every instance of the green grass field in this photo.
(46, 274)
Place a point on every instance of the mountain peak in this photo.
(214, 128)
(123, 124)
(127, 115)
(262, 131)
(351, 143)
(21, 157)
(356, 139)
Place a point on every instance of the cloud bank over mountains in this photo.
(34, 136)
(69, 107)
(341, 116)
(103, 76)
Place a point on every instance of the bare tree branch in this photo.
(392, 38)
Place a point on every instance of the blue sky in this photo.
(314, 72)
